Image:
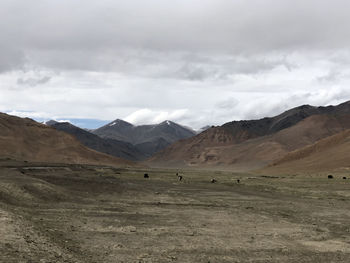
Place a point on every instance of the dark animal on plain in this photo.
(179, 177)
(213, 180)
(238, 181)
(330, 176)
(344, 178)
(177, 174)
(145, 176)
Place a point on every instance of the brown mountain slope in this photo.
(251, 153)
(232, 133)
(328, 154)
(182, 152)
(255, 142)
(25, 139)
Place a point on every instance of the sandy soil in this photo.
(94, 214)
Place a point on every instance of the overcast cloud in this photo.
(195, 62)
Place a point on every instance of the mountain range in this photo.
(252, 144)
(302, 139)
(26, 140)
(148, 139)
(122, 139)
(113, 147)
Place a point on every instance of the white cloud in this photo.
(196, 62)
(148, 116)
(107, 96)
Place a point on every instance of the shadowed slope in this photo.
(109, 146)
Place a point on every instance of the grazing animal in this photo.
(145, 176)
(177, 174)
(238, 181)
(213, 180)
(179, 177)
(330, 176)
(344, 178)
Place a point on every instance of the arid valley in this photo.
(202, 131)
(273, 190)
(77, 213)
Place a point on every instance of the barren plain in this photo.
(74, 213)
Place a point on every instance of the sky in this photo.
(195, 62)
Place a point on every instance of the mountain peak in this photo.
(119, 123)
(306, 106)
(175, 125)
(50, 122)
(167, 122)
(148, 138)
(54, 123)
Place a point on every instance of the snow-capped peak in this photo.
(119, 123)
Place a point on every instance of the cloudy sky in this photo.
(196, 62)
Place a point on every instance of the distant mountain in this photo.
(109, 146)
(330, 154)
(25, 139)
(50, 122)
(117, 130)
(255, 143)
(148, 139)
(243, 130)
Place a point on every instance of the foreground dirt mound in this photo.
(25, 139)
